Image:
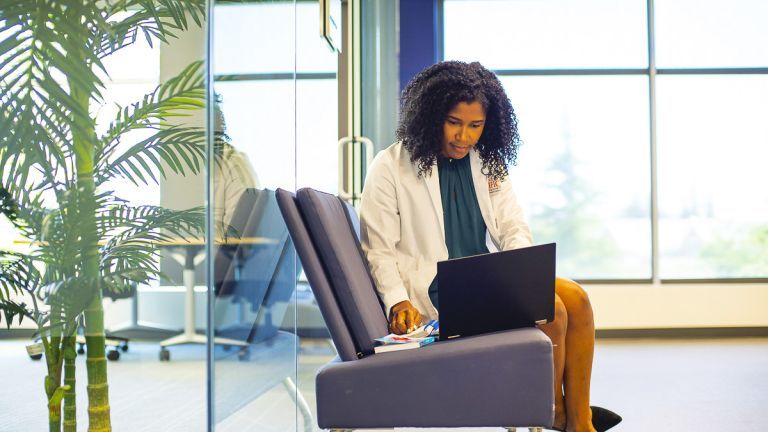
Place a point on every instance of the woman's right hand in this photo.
(404, 318)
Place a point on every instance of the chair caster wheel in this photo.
(165, 355)
(244, 354)
(124, 348)
(35, 351)
(113, 355)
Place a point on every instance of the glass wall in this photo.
(275, 127)
(254, 269)
(642, 132)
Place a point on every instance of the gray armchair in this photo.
(500, 379)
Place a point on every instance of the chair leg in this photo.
(535, 429)
(298, 399)
(511, 429)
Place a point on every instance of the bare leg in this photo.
(580, 348)
(556, 330)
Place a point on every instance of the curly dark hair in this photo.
(432, 94)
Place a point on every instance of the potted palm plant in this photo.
(55, 173)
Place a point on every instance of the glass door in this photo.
(253, 267)
(275, 122)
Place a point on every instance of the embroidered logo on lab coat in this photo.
(493, 185)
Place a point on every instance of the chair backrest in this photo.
(257, 272)
(331, 228)
(249, 210)
(279, 292)
(318, 281)
(259, 262)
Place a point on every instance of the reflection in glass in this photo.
(254, 266)
(713, 203)
(547, 34)
(250, 39)
(254, 281)
(254, 269)
(711, 33)
(582, 174)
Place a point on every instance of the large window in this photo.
(644, 134)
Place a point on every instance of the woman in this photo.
(438, 192)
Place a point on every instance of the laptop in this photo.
(496, 291)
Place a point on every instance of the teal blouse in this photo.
(464, 225)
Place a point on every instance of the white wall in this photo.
(679, 305)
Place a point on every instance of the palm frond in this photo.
(45, 41)
(29, 147)
(70, 296)
(176, 97)
(154, 20)
(121, 216)
(26, 211)
(130, 256)
(18, 274)
(176, 148)
(8, 206)
(151, 225)
(12, 310)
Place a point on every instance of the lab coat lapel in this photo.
(433, 186)
(481, 190)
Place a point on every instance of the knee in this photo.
(560, 323)
(575, 298)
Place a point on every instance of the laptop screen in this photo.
(496, 291)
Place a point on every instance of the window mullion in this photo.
(653, 144)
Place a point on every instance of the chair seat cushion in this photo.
(498, 379)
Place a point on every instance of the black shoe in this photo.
(603, 419)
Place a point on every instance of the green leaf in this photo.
(43, 45)
(11, 310)
(156, 20)
(179, 148)
(18, 274)
(71, 296)
(177, 96)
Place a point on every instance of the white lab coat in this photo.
(401, 225)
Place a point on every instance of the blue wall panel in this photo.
(418, 37)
